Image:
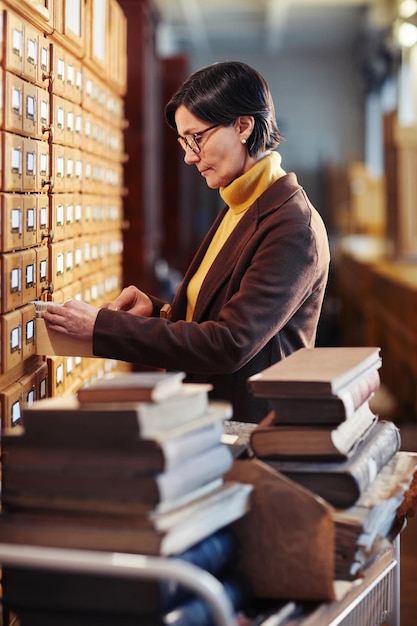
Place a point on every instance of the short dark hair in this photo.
(221, 92)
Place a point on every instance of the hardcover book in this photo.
(321, 371)
(327, 410)
(342, 482)
(363, 528)
(168, 534)
(271, 439)
(154, 454)
(112, 486)
(65, 419)
(152, 386)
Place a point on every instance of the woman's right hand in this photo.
(131, 300)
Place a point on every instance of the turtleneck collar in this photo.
(243, 191)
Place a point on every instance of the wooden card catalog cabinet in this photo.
(44, 62)
(11, 405)
(69, 261)
(58, 168)
(56, 375)
(77, 200)
(43, 179)
(30, 169)
(11, 340)
(29, 237)
(13, 162)
(42, 381)
(70, 24)
(117, 62)
(11, 280)
(43, 217)
(39, 11)
(69, 129)
(57, 276)
(30, 54)
(78, 127)
(69, 216)
(43, 116)
(42, 271)
(11, 210)
(28, 275)
(73, 79)
(14, 44)
(57, 215)
(99, 24)
(30, 106)
(61, 131)
(58, 69)
(58, 118)
(78, 259)
(29, 389)
(13, 111)
(28, 331)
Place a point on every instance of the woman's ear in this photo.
(245, 125)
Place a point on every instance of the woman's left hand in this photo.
(75, 319)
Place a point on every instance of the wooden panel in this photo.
(401, 190)
(367, 201)
(143, 109)
(180, 183)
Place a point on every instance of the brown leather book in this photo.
(321, 371)
(274, 440)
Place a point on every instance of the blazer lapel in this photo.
(223, 265)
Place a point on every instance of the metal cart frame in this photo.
(377, 602)
(122, 565)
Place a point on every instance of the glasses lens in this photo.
(182, 143)
(193, 144)
(188, 142)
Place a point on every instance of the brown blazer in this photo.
(260, 301)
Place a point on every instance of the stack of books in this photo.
(322, 434)
(134, 464)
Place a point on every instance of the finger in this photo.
(53, 312)
(111, 306)
(56, 323)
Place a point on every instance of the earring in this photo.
(243, 141)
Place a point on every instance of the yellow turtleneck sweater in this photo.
(239, 196)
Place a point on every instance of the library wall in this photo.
(63, 76)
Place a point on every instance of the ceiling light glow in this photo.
(407, 8)
(407, 35)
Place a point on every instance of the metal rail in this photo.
(122, 565)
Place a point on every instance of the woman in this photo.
(253, 293)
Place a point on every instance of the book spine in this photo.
(330, 409)
(374, 454)
(360, 392)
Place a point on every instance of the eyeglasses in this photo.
(193, 141)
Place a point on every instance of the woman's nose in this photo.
(190, 156)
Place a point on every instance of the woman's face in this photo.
(222, 157)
